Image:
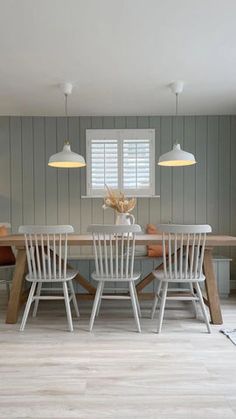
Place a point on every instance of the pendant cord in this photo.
(176, 104)
(67, 120)
(176, 109)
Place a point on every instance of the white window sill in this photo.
(128, 196)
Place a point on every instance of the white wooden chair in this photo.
(46, 249)
(183, 253)
(114, 247)
(6, 270)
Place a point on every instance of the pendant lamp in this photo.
(177, 156)
(66, 158)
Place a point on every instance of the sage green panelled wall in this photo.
(31, 192)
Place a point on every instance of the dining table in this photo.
(18, 293)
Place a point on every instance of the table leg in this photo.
(213, 300)
(85, 284)
(148, 278)
(16, 287)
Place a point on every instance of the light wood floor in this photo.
(115, 372)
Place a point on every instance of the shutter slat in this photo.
(136, 164)
(104, 161)
(135, 160)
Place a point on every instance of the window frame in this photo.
(120, 135)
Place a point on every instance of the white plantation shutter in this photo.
(136, 164)
(104, 164)
(121, 159)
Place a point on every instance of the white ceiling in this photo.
(120, 54)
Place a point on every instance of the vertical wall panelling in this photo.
(224, 174)
(5, 170)
(85, 204)
(109, 215)
(108, 123)
(74, 175)
(166, 172)
(213, 172)
(51, 184)
(39, 170)
(32, 192)
(97, 210)
(189, 197)
(178, 172)
(143, 210)
(201, 167)
(63, 175)
(16, 172)
(233, 193)
(224, 177)
(74, 180)
(132, 123)
(120, 123)
(155, 213)
(28, 186)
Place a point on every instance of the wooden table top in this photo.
(212, 240)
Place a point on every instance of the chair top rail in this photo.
(184, 228)
(113, 229)
(43, 229)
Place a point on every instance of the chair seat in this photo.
(69, 275)
(161, 276)
(136, 275)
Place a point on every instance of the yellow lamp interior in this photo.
(177, 163)
(66, 164)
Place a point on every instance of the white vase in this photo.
(124, 218)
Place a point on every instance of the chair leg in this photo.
(74, 298)
(134, 305)
(27, 307)
(193, 302)
(95, 305)
(155, 302)
(36, 303)
(137, 302)
(67, 304)
(204, 312)
(162, 307)
(100, 299)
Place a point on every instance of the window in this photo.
(122, 159)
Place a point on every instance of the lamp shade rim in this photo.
(66, 158)
(177, 157)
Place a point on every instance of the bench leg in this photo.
(213, 299)
(16, 287)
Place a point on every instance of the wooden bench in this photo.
(85, 265)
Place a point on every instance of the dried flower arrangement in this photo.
(117, 201)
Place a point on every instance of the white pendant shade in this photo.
(66, 159)
(177, 157)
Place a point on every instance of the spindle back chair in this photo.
(47, 254)
(183, 253)
(114, 249)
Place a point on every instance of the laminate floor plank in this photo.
(114, 372)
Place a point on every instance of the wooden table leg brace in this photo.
(213, 300)
(14, 302)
